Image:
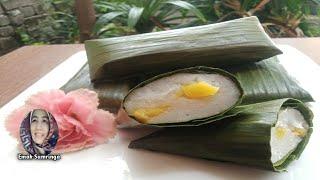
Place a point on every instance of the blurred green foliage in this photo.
(64, 20)
(144, 15)
(58, 25)
(290, 18)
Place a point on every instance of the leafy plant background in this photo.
(289, 18)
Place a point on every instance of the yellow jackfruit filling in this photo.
(281, 132)
(198, 90)
(145, 114)
(299, 132)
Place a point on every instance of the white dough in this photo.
(164, 92)
(289, 119)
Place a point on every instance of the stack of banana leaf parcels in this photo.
(218, 91)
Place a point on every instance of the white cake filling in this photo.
(288, 132)
(165, 96)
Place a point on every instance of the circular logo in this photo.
(39, 132)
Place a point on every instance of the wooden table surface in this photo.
(24, 66)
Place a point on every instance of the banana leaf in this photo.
(110, 94)
(234, 42)
(243, 139)
(262, 81)
(201, 70)
(267, 80)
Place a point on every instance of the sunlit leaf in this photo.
(187, 6)
(106, 18)
(134, 16)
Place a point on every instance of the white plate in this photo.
(115, 161)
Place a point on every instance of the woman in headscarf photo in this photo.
(39, 132)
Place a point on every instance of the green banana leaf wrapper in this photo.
(261, 81)
(243, 139)
(110, 94)
(267, 80)
(228, 43)
(201, 70)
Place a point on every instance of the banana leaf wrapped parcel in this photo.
(228, 43)
(261, 81)
(268, 135)
(110, 94)
(190, 96)
(267, 80)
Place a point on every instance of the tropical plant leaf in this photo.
(189, 7)
(106, 18)
(134, 16)
(153, 14)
